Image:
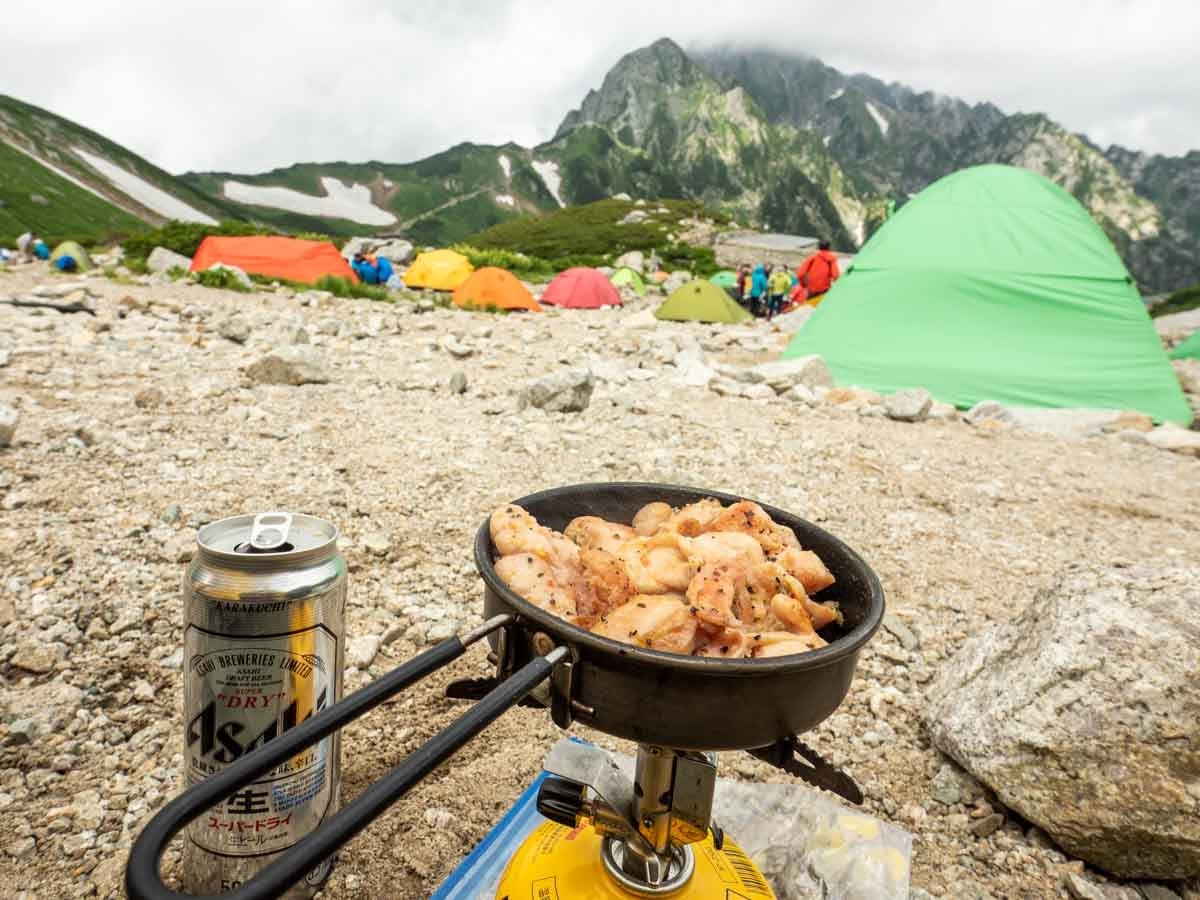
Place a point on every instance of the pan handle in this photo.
(142, 878)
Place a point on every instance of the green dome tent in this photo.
(725, 279)
(995, 284)
(83, 262)
(1189, 349)
(701, 301)
(627, 277)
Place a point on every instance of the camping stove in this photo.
(609, 838)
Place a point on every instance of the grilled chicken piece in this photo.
(714, 591)
(728, 643)
(592, 532)
(657, 621)
(516, 531)
(807, 568)
(784, 643)
(723, 546)
(608, 578)
(656, 565)
(695, 518)
(651, 517)
(750, 518)
(537, 581)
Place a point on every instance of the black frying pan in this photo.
(649, 696)
(686, 702)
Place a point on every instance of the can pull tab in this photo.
(269, 532)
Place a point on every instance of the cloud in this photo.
(245, 87)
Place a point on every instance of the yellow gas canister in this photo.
(560, 863)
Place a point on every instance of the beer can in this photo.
(264, 642)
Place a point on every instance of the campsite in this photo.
(961, 422)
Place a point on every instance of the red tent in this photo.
(581, 288)
(274, 257)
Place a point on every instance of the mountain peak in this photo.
(631, 88)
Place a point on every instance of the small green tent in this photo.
(83, 262)
(1189, 349)
(725, 279)
(627, 277)
(701, 301)
(995, 284)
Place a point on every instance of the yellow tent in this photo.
(440, 270)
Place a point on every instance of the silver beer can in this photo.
(264, 642)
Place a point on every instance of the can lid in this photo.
(268, 537)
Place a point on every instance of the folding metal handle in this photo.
(142, 879)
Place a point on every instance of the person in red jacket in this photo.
(818, 273)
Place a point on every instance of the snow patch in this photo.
(825, 140)
(387, 183)
(506, 166)
(61, 173)
(837, 93)
(149, 196)
(548, 172)
(878, 117)
(340, 202)
(506, 199)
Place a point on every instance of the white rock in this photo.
(238, 274)
(8, 424)
(294, 364)
(234, 328)
(455, 347)
(566, 391)
(986, 410)
(634, 259)
(758, 392)
(908, 406)
(163, 260)
(1064, 422)
(1170, 436)
(783, 374)
(361, 650)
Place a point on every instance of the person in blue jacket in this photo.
(758, 288)
(384, 268)
(366, 271)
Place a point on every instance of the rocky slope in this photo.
(140, 425)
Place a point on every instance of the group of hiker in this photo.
(767, 289)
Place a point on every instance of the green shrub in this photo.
(176, 272)
(344, 287)
(529, 268)
(222, 279)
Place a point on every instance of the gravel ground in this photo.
(139, 425)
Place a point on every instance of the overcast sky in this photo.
(244, 86)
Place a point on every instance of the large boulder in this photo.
(784, 374)
(1083, 715)
(395, 250)
(566, 391)
(293, 364)
(163, 260)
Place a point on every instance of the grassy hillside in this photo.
(591, 234)
(438, 200)
(51, 137)
(68, 211)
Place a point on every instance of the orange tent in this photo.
(494, 288)
(273, 257)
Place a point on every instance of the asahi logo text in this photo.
(224, 740)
